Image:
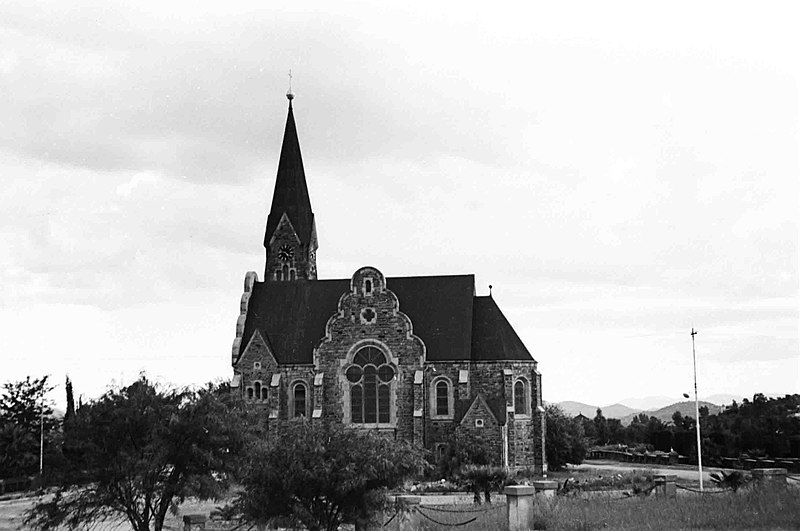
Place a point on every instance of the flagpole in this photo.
(697, 413)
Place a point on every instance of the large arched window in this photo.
(370, 377)
(521, 398)
(299, 400)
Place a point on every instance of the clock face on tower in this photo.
(285, 253)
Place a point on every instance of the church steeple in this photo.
(291, 237)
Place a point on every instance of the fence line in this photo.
(481, 510)
(445, 523)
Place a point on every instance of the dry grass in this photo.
(776, 508)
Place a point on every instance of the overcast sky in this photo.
(619, 174)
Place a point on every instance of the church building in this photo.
(420, 358)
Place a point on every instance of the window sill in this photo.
(377, 426)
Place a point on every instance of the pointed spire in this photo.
(291, 192)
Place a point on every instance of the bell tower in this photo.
(291, 236)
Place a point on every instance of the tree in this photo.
(601, 427)
(24, 415)
(138, 451)
(323, 475)
(465, 449)
(70, 401)
(565, 439)
(483, 479)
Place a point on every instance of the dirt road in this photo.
(683, 472)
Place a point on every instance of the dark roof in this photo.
(292, 315)
(443, 310)
(493, 337)
(440, 309)
(291, 191)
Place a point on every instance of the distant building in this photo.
(421, 358)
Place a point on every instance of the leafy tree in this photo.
(323, 475)
(465, 449)
(24, 413)
(483, 479)
(565, 439)
(600, 427)
(138, 451)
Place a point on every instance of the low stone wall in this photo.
(791, 464)
(656, 458)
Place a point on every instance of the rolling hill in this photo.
(665, 413)
(613, 411)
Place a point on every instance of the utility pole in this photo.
(697, 413)
(41, 439)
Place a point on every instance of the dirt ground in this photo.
(11, 514)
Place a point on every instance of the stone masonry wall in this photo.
(370, 314)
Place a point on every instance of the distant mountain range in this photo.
(614, 411)
(664, 413)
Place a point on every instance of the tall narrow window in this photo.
(292, 275)
(285, 269)
(368, 287)
(442, 398)
(370, 379)
(299, 400)
(249, 392)
(264, 391)
(520, 402)
(257, 389)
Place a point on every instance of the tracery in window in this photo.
(370, 377)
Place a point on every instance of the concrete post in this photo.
(194, 522)
(519, 506)
(771, 476)
(545, 488)
(665, 485)
(408, 518)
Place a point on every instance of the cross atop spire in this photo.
(289, 93)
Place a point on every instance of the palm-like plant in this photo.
(729, 481)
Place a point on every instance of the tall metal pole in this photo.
(697, 413)
(41, 440)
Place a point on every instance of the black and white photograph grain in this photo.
(356, 265)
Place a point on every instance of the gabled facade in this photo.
(420, 358)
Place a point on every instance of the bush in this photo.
(483, 479)
(565, 442)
